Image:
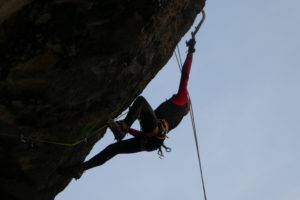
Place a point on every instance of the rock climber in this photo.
(155, 124)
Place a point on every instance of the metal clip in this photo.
(160, 153)
(199, 25)
(168, 149)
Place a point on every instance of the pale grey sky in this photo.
(245, 89)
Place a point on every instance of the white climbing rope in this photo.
(194, 131)
(180, 65)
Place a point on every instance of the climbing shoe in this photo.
(75, 171)
(119, 129)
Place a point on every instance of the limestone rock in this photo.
(66, 66)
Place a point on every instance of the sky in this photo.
(244, 85)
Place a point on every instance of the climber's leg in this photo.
(141, 109)
(123, 147)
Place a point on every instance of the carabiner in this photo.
(199, 25)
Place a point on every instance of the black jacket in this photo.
(170, 112)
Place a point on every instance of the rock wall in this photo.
(66, 66)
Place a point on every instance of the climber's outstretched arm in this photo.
(181, 97)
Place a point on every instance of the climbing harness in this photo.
(179, 62)
(163, 129)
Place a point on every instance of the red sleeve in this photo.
(181, 97)
(134, 132)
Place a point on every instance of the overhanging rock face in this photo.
(66, 66)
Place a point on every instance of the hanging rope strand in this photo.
(195, 135)
(177, 59)
(180, 65)
(198, 151)
(180, 60)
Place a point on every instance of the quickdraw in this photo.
(199, 25)
(160, 152)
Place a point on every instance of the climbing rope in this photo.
(180, 65)
(26, 139)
